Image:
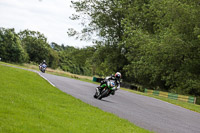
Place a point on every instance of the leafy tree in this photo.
(105, 21)
(38, 49)
(10, 47)
(57, 47)
(76, 60)
(53, 59)
(162, 45)
(35, 44)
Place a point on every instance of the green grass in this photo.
(29, 104)
(190, 106)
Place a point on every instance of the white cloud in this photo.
(49, 17)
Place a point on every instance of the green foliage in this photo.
(105, 19)
(38, 49)
(76, 60)
(107, 59)
(153, 43)
(164, 55)
(10, 47)
(35, 44)
(53, 58)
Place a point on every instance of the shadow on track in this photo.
(106, 101)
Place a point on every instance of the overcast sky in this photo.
(50, 17)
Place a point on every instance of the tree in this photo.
(35, 44)
(76, 60)
(162, 45)
(37, 48)
(10, 47)
(105, 19)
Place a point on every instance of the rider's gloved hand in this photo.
(115, 88)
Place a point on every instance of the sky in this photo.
(49, 17)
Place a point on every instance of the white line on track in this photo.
(46, 79)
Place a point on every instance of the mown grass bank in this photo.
(30, 104)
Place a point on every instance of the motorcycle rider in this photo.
(43, 63)
(115, 78)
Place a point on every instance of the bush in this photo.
(198, 100)
(10, 47)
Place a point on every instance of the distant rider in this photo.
(43, 63)
(115, 78)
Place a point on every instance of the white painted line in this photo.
(46, 79)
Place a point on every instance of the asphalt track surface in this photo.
(146, 112)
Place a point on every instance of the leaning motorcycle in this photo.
(42, 67)
(104, 89)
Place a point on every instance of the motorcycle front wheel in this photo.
(103, 94)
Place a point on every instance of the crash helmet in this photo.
(117, 75)
(44, 61)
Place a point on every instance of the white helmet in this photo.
(117, 75)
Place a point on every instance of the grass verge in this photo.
(30, 104)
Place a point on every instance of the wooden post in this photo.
(195, 100)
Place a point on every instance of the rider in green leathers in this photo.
(115, 78)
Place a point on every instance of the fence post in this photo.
(195, 100)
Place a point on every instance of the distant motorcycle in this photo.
(42, 67)
(107, 86)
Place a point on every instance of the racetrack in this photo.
(149, 113)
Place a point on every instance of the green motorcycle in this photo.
(104, 89)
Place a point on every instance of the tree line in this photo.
(153, 43)
(32, 47)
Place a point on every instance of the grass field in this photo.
(29, 104)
